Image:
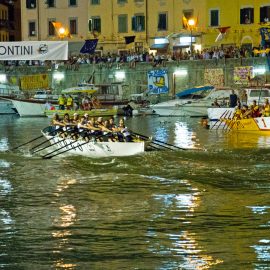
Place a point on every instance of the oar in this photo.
(220, 119)
(27, 142)
(158, 142)
(78, 133)
(62, 152)
(69, 144)
(227, 125)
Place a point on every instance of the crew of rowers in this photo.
(89, 128)
(252, 111)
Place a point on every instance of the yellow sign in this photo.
(242, 75)
(33, 82)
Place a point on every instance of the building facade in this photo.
(140, 25)
(10, 22)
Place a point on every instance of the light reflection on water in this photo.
(161, 210)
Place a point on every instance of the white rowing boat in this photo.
(93, 149)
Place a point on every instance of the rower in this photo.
(266, 108)
(57, 123)
(123, 133)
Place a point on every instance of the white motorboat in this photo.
(194, 106)
(93, 149)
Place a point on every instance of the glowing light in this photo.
(58, 76)
(3, 78)
(259, 71)
(62, 31)
(180, 72)
(191, 22)
(120, 75)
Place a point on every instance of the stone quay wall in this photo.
(135, 80)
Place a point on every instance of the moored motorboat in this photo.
(193, 106)
(92, 148)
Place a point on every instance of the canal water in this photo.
(203, 208)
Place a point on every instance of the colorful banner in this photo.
(34, 50)
(214, 76)
(158, 81)
(33, 82)
(242, 75)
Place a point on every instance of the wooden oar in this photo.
(225, 112)
(38, 150)
(227, 125)
(157, 142)
(62, 152)
(28, 142)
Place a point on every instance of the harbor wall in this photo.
(134, 76)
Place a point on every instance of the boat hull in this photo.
(94, 149)
(91, 113)
(215, 114)
(6, 107)
(29, 108)
(259, 125)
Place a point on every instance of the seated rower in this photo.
(123, 133)
(255, 110)
(266, 108)
(57, 123)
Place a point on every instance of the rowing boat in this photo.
(258, 125)
(93, 148)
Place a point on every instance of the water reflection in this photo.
(66, 217)
(184, 137)
(3, 144)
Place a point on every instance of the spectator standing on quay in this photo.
(233, 99)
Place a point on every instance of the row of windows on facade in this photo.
(51, 3)
(246, 15)
(94, 24)
(138, 21)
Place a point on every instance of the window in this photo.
(214, 17)
(32, 29)
(31, 4)
(265, 14)
(73, 27)
(122, 24)
(246, 15)
(138, 23)
(162, 21)
(51, 29)
(121, 1)
(72, 2)
(95, 2)
(51, 3)
(95, 24)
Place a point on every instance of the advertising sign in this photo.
(34, 50)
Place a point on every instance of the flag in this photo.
(89, 46)
(129, 39)
(222, 33)
(185, 22)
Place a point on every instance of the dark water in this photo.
(190, 209)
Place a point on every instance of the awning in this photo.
(159, 46)
(194, 90)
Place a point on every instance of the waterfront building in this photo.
(10, 29)
(142, 25)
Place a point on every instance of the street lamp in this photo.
(191, 24)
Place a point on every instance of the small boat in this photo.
(92, 148)
(189, 104)
(92, 113)
(258, 125)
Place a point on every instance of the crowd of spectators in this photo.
(132, 58)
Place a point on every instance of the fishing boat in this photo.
(190, 104)
(258, 125)
(92, 148)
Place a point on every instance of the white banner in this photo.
(34, 50)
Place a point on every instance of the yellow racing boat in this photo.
(258, 125)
